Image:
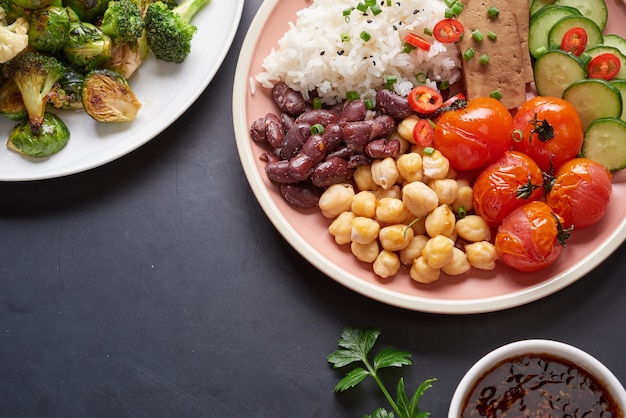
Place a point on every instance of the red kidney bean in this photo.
(287, 99)
(318, 116)
(357, 160)
(356, 134)
(274, 132)
(340, 152)
(315, 148)
(301, 166)
(392, 104)
(258, 130)
(331, 171)
(300, 195)
(269, 157)
(382, 126)
(332, 136)
(353, 110)
(294, 140)
(383, 148)
(279, 171)
(288, 121)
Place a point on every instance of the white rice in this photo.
(313, 57)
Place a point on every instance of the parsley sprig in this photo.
(356, 345)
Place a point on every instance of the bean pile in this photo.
(397, 204)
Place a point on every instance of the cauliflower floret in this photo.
(13, 37)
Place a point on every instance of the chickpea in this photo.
(421, 272)
(364, 230)
(446, 190)
(410, 167)
(336, 198)
(435, 165)
(473, 228)
(406, 126)
(458, 265)
(409, 253)
(419, 199)
(363, 178)
(394, 191)
(341, 228)
(438, 251)
(482, 255)
(440, 221)
(395, 237)
(418, 225)
(384, 172)
(364, 204)
(391, 210)
(365, 252)
(464, 196)
(387, 264)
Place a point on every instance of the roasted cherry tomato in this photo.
(604, 66)
(425, 100)
(549, 130)
(512, 181)
(531, 237)
(476, 135)
(417, 41)
(574, 41)
(448, 30)
(581, 192)
(423, 133)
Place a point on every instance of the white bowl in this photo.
(553, 348)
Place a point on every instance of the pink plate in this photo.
(473, 292)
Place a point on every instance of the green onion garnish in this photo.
(429, 150)
(457, 8)
(495, 95)
(477, 35)
(345, 37)
(365, 36)
(484, 59)
(518, 135)
(348, 11)
(352, 95)
(421, 78)
(469, 54)
(462, 212)
(493, 12)
(370, 3)
(491, 35)
(362, 7)
(369, 104)
(428, 31)
(444, 85)
(317, 103)
(376, 10)
(317, 129)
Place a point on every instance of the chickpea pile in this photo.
(409, 212)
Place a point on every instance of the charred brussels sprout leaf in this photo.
(86, 46)
(47, 28)
(50, 139)
(87, 10)
(107, 97)
(11, 103)
(67, 92)
(32, 4)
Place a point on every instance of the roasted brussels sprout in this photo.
(47, 28)
(50, 139)
(107, 97)
(87, 10)
(125, 59)
(86, 46)
(32, 4)
(11, 103)
(67, 92)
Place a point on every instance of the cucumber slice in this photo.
(555, 71)
(594, 99)
(540, 25)
(537, 5)
(605, 142)
(593, 9)
(595, 51)
(594, 34)
(621, 86)
(615, 41)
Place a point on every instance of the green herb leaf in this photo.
(380, 413)
(353, 378)
(402, 400)
(359, 341)
(341, 358)
(391, 358)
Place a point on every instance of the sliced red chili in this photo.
(423, 133)
(448, 31)
(416, 41)
(425, 100)
(604, 66)
(574, 41)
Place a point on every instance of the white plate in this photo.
(475, 291)
(165, 90)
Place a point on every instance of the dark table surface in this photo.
(155, 286)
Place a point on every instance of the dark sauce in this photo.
(539, 386)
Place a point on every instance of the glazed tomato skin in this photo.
(475, 136)
(581, 192)
(529, 237)
(561, 116)
(510, 182)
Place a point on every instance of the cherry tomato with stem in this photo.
(531, 237)
(604, 66)
(448, 30)
(574, 41)
(512, 181)
(549, 130)
(425, 100)
(580, 192)
(474, 135)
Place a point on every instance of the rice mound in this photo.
(313, 59)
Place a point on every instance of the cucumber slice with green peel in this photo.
(621, 86)
(602, 49)
(555, 71)
(537, 5)
(615, 41)
(594, 99)
(541, 24)
(560, 28)
(593, 9)
(605, 142)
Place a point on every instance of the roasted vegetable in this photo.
(52, 136)
(47, 28)
(107, 97)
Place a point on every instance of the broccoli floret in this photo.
(122, 21)
(169, 31)
(35, 75)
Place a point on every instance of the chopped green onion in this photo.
(491, 35)
(369, 104)
(540, 51)
(493, 12)
(348, 11)
(448, 13)
(484, 59)
(317, 129)
(421, 78)
(376, 10)
(462, 212)
(410, 225)
(449, 3)
(317, 103)
(370, 3)
(469, 54)
(345, 37)
(495, 94)
(407, 48)
(390, 80)
(428, 31)
(477, 35)
(429, 150)
(365, 36)
(518, 135)
(362, 7)
(388, 2)
(444, 85)
(457, 8)
(352, 95)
